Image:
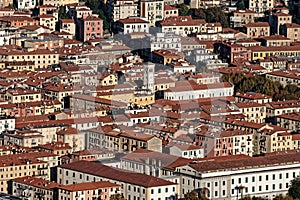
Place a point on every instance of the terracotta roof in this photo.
(257, 24)
(36, 182)
(111, 173)
(88, 186)
(133, 20)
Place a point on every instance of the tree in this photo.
(212, 15)
(116, 197)
(99, 9)
(191, 196)
(241, 5)
(294, 190)
(62, 13)
(281, 197)
(184, 10)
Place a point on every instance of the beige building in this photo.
(122, 141)
(47, 20)
(183, 25)
(134, 185)
(124, 9)
(26, 138)
(41, 58)
(242, 17)
(89, 190)
(289, 121)
(33, 187)
(285, 77)
(35, 164)
(152, 11)
(71, 136)
(291, 31)
(21, 95)
(68, 25)
(277, 20)
(59, 2)
(253, 97)
(260, 6)
(257, 29)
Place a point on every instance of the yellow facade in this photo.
(262, 52)
(111, 79)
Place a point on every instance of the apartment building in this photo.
(68, 25)
(191, 90)
(17, 21)
(115, 140)
(59, 2)
(254, 112)
(182, 25)
(133, 185)
(275, 40)
(253, 97)
(184, 150)
(33, 188)
(257, 29)
(261, 52)
(285, 77)
(242, 17)
(26, 4)
(28, 164)
(148, 162)
(231, 176)
(164, 41)
(277, 20)
(260, 6)
(170, 11)
(152, 11)
(120, 9)
(89, 190)
(21, 95)
(289, 121)
(57, 148)
(26, 138)
(131, 25)
(232, 52)
(90, 28)
(47, 20)
(291, 31)
(41, 58)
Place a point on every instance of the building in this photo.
(152, 11)
(285, 77)
(90, 28)
(164, 41)
(185, 90)
(291, 31)
(133, 185)
(275, 40)
(260, 6)
(182, 25)
(170, 11)
(254, 112)
(257, 29)
(59, 2)
(242, 17)
(289, 121)
(277, 20)
(253, 97)
(88, 190)
(231, 176)
(122, 9)
(68, 25)
(131, 25)
(26, 4)
(261, 52)
(34, 188)
(184, 150)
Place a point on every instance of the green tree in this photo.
(281, 197)
(116, 197)
(241, 5)
(11, 6)
(62, 14)
(184, 10)
(294, 190)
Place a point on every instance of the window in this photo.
(287, 175)
(267, 177)
(253, 178)
(259, 188)
(232, 181)
(280, 176)
(267, 187)
(152, 191)
(159, 190)
(216, 184)
(259, 178)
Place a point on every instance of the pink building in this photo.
(90, 28)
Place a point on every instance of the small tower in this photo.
(149, 75)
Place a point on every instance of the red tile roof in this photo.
(111, 173)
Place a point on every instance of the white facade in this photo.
(26, 4)
(130, 190)
(165, 41)
(205, 92)
(7, 124)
